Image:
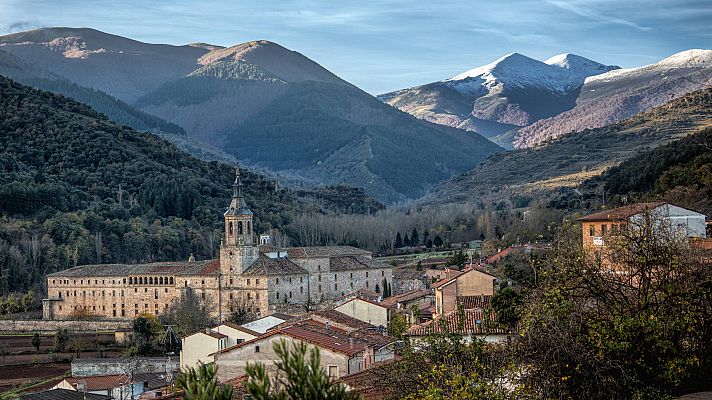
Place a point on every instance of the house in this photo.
(341, 353)
(64, 394)
(365, 310)
(471, 324)
(471, 282)
(263, 324)
(235, 333)
(406, 280)
(409, 303)
(196, 348)
(600, 227)
(118, 387)
(333, 319)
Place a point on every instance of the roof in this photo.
(472, 302)
(64, 394)
(100, 382)
(342, 319)
(345, 263)
(362, 299)
(274, 266)
(621, 213)
(448, 323)
(334, 340)
(370, 383)
(238, 327)
(324, 251)
(208, 267)
(406, 297)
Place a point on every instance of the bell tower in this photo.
(237, 250)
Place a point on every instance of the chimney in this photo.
(191, 258)
(327, 325)
(207, 331)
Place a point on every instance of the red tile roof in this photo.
(102, 382)
(405, 297)
(449, 322)
(472, 302)
(621, 213)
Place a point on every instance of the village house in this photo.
(408, 304)
(197, 347)
(258, 275)
(470, 323)
(262, 325)
(341, 352)
(461, 286)
(365, 310)
(600, 227)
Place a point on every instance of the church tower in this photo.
(237, 250)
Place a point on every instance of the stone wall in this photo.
(22, 326)
(115, 366)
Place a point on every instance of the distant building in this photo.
(471, 324)
(263, 277)
(116, 366)
(118, 387)
(198, 347)
(463, 284)
(599, 227)
(365, 310)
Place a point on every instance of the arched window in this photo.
(140, 280)
(160, 281)
(171, 282)
(249, 227)
(229, 228)
(150, 280)
(239, 227)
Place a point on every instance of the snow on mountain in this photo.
(559, 74)
(694, 58)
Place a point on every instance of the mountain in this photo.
(82, 189)
(553, 171)
(508, 93)
(622, 93)
(118, 111)
(282, 112)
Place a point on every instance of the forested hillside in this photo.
(76, 188)
(679, 172)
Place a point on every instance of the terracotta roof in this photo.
(216, 335)
(101, 382)
(446, 281)
(369, 383)
(208, 267)
(274, 266)
(316, 334)
(448, 323)
(64, 394)
(345, 263)
(342, 319)
(621, 213)
(499, 256)
(324, 251)
(472, 302)
(406, 297)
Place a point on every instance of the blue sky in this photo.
(386, 45)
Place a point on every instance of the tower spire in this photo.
(238, 204)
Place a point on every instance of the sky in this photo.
(382, 45)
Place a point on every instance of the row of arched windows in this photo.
(150, 280)
(231, 228)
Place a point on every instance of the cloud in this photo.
(594, 15)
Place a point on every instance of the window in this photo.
(171, 280)
(604, 229)
(257, 296)
(155, 293)
(319, 288)
(248, 281)
(333, 371)
(230, 281)
(249, 227)
(277, 280)
(202, 295)
(290, 294)
(290, 280)
(352, 275)
(301, 289)
(229, 229)
(301, 280)
(278, 295)
(319, 277)
(383, 273)
(591, 230)
(257, 349)
(239, 227)
(335, 277)
(257, 281)
(366, 283)
(352, 285)
(336, 286)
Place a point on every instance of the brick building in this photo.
(259, 275)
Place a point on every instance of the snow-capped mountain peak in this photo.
(695, 58)
(559, 74)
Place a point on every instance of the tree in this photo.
(397, 326)
(429, 244)
(458, 259)
(406, 240)
(505, 304)
(242, 311)
(378, 289)
(36, 341)
(414, 237)
(637, 325)
(147, 331)
(438, 241)
(399, 241)
(188, 314)
(201, 383)
(61, 339)
(300, 376)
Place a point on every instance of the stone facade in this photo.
(245, 275)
